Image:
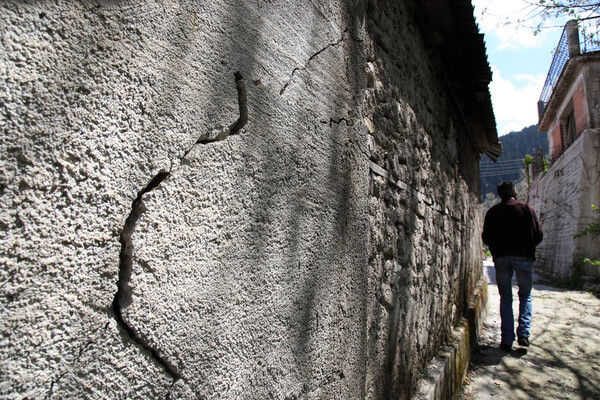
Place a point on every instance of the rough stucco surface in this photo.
(563, 198)
(143, 259)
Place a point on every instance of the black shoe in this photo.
(506, 347)
(523, 341)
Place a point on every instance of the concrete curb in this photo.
(445, 373)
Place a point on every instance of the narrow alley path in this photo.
(562, 361)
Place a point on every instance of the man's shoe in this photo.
(506, 347)
(523, 341)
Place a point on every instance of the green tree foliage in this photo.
(527, 161)
(515, 146)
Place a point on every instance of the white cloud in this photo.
(515, 104)
(515, 95)
(500, 18)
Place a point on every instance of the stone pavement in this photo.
(562, 361)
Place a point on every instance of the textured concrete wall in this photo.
(215, 200)
(563, 198)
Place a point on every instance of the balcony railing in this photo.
(560, 58)
(578, 37)
(588, 35)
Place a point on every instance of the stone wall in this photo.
(425, 250)
(563, 198)
(246, 199)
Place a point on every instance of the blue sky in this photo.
(519, 59)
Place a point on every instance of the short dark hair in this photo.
(505, 190)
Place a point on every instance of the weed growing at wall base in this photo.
(593, 228)
(593, 262)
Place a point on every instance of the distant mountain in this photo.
(510, 165)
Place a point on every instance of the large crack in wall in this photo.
(122, 298)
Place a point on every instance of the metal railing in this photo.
(588, 35)
(560, 58)
(585, 41)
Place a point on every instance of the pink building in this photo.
(569, 110)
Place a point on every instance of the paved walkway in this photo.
(563, 360)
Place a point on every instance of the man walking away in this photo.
(511, 230)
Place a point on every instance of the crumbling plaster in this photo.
(157, 243)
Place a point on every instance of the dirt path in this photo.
(563, 360)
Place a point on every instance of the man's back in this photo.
(511, 228)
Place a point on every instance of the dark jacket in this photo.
(511, 228)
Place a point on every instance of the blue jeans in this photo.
(523, 267)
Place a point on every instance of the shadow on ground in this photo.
(562, 361)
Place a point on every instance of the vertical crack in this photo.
(237, 126)
(123, 295)
(122, 298)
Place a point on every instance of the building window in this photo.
(568, 128)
